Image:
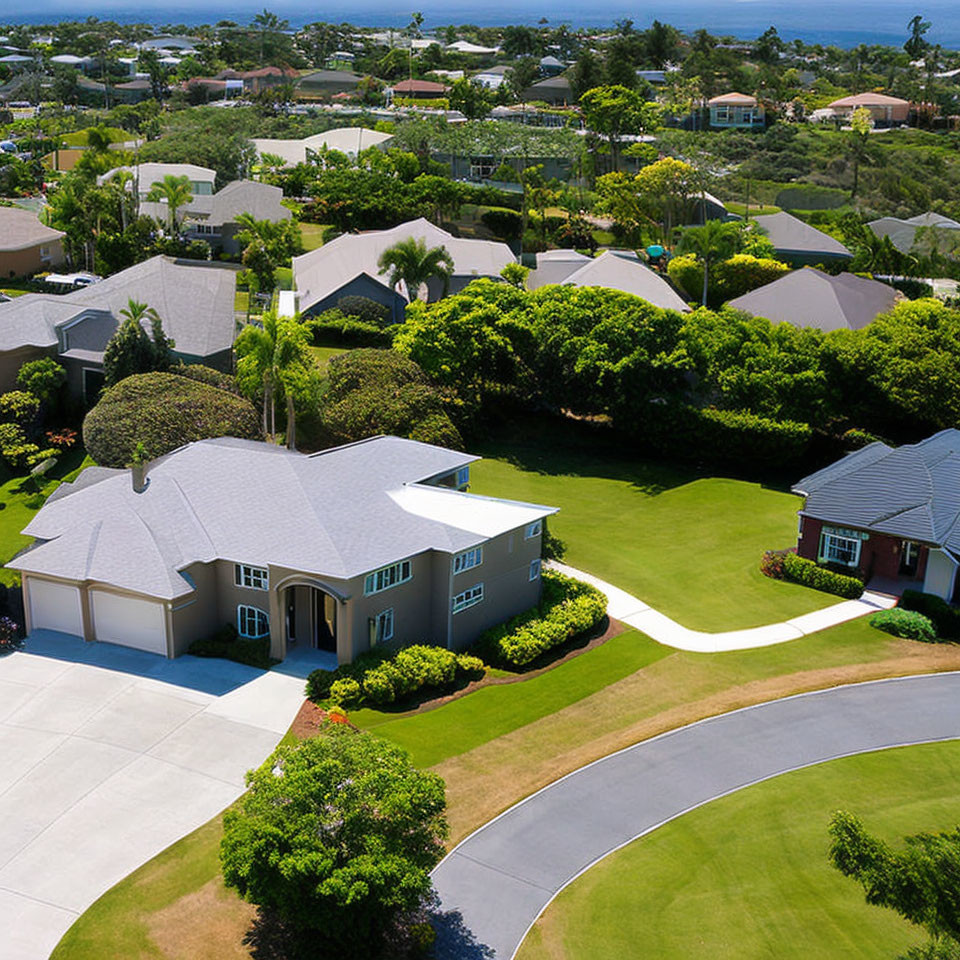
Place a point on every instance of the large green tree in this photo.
(614, 111)
(920, 882)
(336, 837)
(130, 350)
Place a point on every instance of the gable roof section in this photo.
(811, 298)
(321, 272)
(911, 491)
(554, 266)
(339, 513)
(903, 233)
(732, 99)
(788, 234)
(21, 229)
(260, 200)
(32, 320)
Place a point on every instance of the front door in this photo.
(909, 558)
(325, 621)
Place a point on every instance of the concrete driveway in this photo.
(495, 884)
(109, 755)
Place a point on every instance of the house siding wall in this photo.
(12, 360)
(362, 286)
(24, 263)
(196, 617)
(940, 574)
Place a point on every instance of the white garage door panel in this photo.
(55, 606)
(129, 621)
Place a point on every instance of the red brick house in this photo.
(890, 515)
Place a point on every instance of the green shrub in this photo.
(810, 574)
(771, 564)
(381, 678)
(226, 644)
(567, 609)
(365, 310)
(503, 223)
(811, 197)
(854, 438)
(207, 375)
(332, 326)
(163, 411)
(905, 623)
(946, 619)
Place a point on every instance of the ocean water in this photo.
(844, 24)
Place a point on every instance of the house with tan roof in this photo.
(735, 110)
(885, 110)
(376, 543)
(349, 266)
(26, 245)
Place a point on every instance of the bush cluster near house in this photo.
(568, 608)
(945, 618)
(811, 574)
(381, 678)
(25, 414)
(227, 644)
(163, 411)
(905, 623)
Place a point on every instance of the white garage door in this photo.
(55, 606)
(129, 622)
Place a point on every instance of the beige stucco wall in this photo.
(25, 263)
(12, 360)
(196, 617)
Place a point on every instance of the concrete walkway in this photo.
(635, 613)
(107, 756)
(495, 884)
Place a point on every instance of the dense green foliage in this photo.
(728, 279)
(382, 677)
(370, 392)
(568, 608)
(130, 350)
(228, 645)
(811, 574)
(946, 619)
(905, 623)
(921, 882)
(336, 837)
(162, 411)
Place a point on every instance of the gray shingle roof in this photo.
(339, 514)
(903, 233)
(911, 491)
(260, 200)
(811, 298)
(21, 229)
(790, 235)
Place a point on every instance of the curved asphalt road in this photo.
(495, 884)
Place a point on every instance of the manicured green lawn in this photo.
(689, 546)
(79, 137)
(493, 711)
(747, 876)
(311, 235)
(756, 209)
(323, 355)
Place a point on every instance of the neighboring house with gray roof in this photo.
(613, 270)
(195, 301)
(145, 175)
(935, 230)
(214, 219)
(349, 266)
(889, 515)
(798, 243)
(348, 140)
(372, 543)
(26, 245)
(812, 298)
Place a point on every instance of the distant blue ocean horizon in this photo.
(816, 21)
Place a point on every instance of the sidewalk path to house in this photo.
(495, 884)
(635, 613)
(107, 756)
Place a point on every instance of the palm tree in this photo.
(712, 242)
(415, 264)
(175, 192)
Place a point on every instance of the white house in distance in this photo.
(349, 266)
(145, 175)
(349, 140)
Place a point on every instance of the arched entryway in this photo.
(311, 614)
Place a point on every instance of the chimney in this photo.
(138, 474)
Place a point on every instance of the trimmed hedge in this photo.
(163, 411)
(810, 574)
(946, 619)
(379, 678)
(332, 326)
(207, 375)
(228, 645)
(905, 623)
(567, 609)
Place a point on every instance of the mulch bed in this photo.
(308, 720)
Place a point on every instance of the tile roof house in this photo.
(891, 515)
(214, 219)
(903, 233)
(26, 245)
(348, 266)
(735, 110)
(613, 269)
(375, 542)
(418, 89)
(348, 140)
(884, 109)
(811, 298)
(797, 242)
(195, 301)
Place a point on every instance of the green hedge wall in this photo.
(810, 574)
